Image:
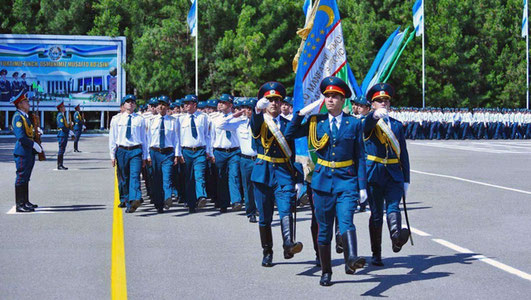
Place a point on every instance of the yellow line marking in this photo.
(118, 275)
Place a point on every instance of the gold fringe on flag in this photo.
(303, 33)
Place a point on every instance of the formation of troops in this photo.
(241, 154)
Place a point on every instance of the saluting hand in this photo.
(262, 104)
(380, 113)
(308, 109)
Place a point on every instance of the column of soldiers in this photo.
(461, 124)
(246, 150)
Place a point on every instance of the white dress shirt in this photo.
(219, 135)
(171, 131)
(203, 126)
(338, 121)
(242, 126)
(118, 131)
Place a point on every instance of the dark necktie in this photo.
(227, 133)
(334, 127)
(194, 128)
(162, 136)
(128, 131)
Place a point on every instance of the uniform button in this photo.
(333, 154)
(332, 170)
(333, 146)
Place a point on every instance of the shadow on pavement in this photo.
(69, 208)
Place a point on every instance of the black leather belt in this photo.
(194, 148)
(163, 150)
(248, 156)
(130, 148)
(227, 150)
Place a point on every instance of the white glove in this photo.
(363, 196)
(298, 189)
(71, 133)
(37, 147)
(380, 113)
(310, 107)
(406, 187)
(262, 103)
(84, 127)
(40, 131)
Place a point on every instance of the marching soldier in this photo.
(128, 150)
(240, 123)
(164, 153)
(62, 135)
(387, 170)
(24, 152)
(227, 157)
(79, 125)
(194, 133)
(273, 173)
(121, 181)
(339, 178)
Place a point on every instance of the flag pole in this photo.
(196, 48)
(527, 55)
(423, 59)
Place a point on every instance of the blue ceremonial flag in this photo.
(306, 7)
(418, 17)
(192, 20)
(524, 20)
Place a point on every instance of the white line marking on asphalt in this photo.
(467, 148)
(419, 232)
(485, 259)
(473, 181)
(13, 211)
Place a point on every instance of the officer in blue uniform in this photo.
(227, 157)
(16, 86)
(128, 149)
(79, 123)
(196, 149)
(24, 152)
(5, 86)
(164, 153)
(339, 178)
(387, 170)
(62, 135)
(273, 173)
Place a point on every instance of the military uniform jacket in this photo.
(266, 172)
(62, 125)
(378, 172)
(78, 121)
(23, 130)
(348, 145)
(5, 90)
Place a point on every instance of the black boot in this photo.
(339, 242)
(375, 232)
(26, 197)
(267, 245)
(290, 247)
(399, 235)
(350, 247)
(60, 163)
(326, 265)
(20, 200)
(75, 147)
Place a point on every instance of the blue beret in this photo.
(361, 100)
(190, 98)
(272, 89)
(164, 99)
(288, 100)
(202, 104)
(153, 101)
(381, 90)
(335, 84)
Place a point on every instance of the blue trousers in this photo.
(62, 140)
(265, 197)
(246, 168)
(24, 164)
(162, 165)
(228, 183)
(195, 165)
(121, 184)
(130, 166)
(77, 134)
(388, 196)
(329, 206)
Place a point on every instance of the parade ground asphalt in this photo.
(469, 206)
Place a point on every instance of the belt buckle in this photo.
(333, 164)
(384, 161)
